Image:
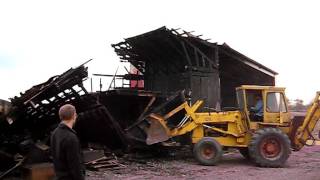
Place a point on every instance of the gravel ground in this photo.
(304, 164)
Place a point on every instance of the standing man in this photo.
(65, 147)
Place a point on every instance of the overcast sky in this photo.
(39, 39)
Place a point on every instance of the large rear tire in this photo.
(207, 151)
(269, 147)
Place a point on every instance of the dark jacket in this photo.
(66, 153)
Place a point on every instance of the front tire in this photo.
(269, 147)
(207, 151)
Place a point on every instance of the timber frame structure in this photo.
(172, 59)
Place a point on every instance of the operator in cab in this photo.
(258, 109)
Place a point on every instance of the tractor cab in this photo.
(263, 104)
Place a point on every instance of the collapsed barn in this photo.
(171, 67)
(171, 60)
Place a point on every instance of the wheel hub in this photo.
(270, 148)
(208, 152)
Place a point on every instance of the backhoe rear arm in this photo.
(309, 123)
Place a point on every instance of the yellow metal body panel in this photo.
(254, 87)
(275, 117)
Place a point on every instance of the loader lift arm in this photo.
(304, 131)
(159, 130)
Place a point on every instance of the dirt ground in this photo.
(304, 164)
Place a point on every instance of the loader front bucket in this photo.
(157, 132)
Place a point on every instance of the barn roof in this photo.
(178, 50)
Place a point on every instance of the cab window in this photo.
(276, 102)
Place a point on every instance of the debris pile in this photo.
(104, 163)
(34, 114)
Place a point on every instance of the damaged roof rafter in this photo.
(182, 52)
(151, 56)
(159, 54)
(156, 56)
(196, 49)
(179, 47)
(184, 37)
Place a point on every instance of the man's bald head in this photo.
(67, 112)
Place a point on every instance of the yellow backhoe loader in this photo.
(266, 140)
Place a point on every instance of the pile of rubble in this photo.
(26, 128)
